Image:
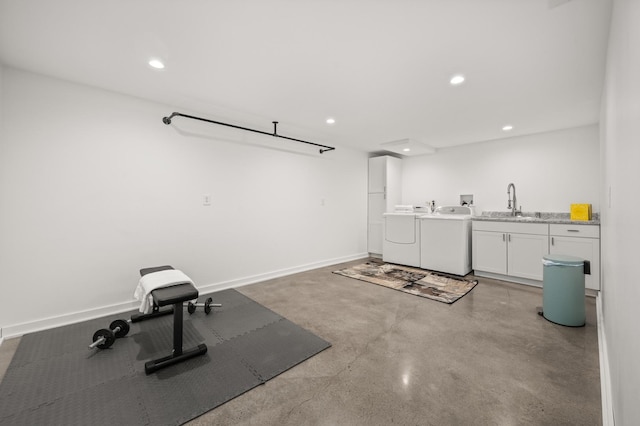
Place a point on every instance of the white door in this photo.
(375, 223)
(584, 248)
(393, 182)
(400, 229)
(377, 174)
(524, 255)
(489, 252)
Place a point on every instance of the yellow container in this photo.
(580, 211)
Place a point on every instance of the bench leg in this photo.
(177, 329)
(157, 364)
(178, 354)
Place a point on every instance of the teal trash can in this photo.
(563, 290)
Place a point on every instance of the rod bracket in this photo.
(167, 120)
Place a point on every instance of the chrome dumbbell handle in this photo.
(208, 304)
(213, 305)
(100, 341)
(105, 338)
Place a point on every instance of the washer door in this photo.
(400, 229)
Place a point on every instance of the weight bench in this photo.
(173, 295)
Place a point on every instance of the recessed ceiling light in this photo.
(331, 120)
(507, 128)
(457, 80)
(407, 149)
(156, 63)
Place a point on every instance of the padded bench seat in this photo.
(174, 294)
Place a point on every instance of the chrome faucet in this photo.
(513, 207)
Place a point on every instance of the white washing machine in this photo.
(445, 239)
(401, 242)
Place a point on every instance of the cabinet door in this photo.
(585, 248)
(377, 174)
(374, 238)
(393, 182)
(524, 255)
(375, 223)
(489, 252)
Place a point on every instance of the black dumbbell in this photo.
(208, 304)
(104, 338)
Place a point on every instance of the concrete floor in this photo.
(487, 359)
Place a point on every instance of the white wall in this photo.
(93, 187)
(550, 171)
(621, 203)
(1, 80)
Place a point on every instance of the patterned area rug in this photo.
(419, 282)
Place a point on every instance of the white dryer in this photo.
(401, 243)
(445, 239)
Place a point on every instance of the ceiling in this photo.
(381, 68)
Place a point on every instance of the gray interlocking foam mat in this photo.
(54, 379)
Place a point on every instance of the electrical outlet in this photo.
(206, 199)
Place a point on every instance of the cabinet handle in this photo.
(509, 237)
(573, 230)
(551, 240)
(503, 239)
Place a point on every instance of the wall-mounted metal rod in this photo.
(323, 148)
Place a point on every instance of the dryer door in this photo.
(400, 229)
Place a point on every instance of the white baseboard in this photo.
(526, 281)
(508, 278)
(605, 372)
(211, 288)
(16, 330)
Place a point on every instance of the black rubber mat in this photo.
(275, 348)
(54, 379)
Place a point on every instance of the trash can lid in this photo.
(563, 259)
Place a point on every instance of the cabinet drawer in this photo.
(511, 227)
(569, 230)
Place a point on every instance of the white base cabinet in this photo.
(511, 249)
(582, 241)
(515, 249)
